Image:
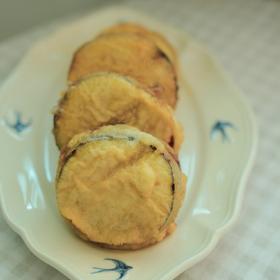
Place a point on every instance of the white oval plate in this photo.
(219, 147)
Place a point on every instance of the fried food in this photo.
(130, 55)
(134, 28)
(119, 187)
(108, 98)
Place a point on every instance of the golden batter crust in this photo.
(161, 42)
(131, 55)
(119, 187)
(108, 98)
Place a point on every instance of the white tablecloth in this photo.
(245, 37)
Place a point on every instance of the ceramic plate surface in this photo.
(220, 143)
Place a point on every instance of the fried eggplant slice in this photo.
(108, 98)
(162, 43)
(131, 55)
(119, 187)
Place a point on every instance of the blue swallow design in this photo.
(120, 267)
(18, 126)
(220, 127)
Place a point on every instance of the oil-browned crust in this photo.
(162, 43)
(177, 189)
(135, 246)
(124, 246)
(131, 55)
(129, 114)
(168, 157)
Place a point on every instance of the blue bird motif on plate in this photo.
(120, 267)
(220, 127)
(18, 125)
